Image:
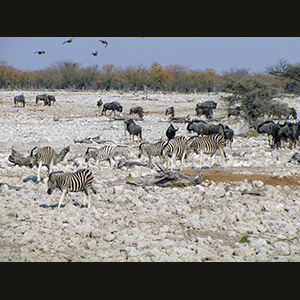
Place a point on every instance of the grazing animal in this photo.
(137, 110)
(207, 145)
(19, 99)
(133, 130)
(80, 181)
(234, 111)
(171, 132)
(42, 157)
(229, 133)
(170, 111)
(199, 126)
(176, 147)
(114, 106)
(99, 103)
(106, 152)
(151, 149)
(268, 127)
(208, 112)
(46, 98)
(207, 104)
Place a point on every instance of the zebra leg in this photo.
(213, 159)
(86, 194)
(50, 167)
(39, 172)
(62, 198)
(201, 159)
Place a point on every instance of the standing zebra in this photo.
(151, 149)
(43, 157)
(207, 145)
(80, 181)
(106, 152)
(176, 147)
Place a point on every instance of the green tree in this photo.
(285, 70)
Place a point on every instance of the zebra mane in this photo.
(53, 173)
(31, 152)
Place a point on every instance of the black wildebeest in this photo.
(229, 133)
(133, 130)
(46, 98)
(170, 111)
(114, 106)
(201, 127)
(171, 132)
(137, 110)
(207, 104)
(99, 103)
(20, 99)
(208, 112)
(267, 127)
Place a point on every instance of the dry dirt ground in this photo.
(247, 211)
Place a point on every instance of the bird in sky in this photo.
(104, 42)
(39, 52)
(94, 53)
(68, 41)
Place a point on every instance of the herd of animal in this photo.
(209, 139)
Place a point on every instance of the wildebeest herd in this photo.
(209, 139)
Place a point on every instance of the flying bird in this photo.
(39, 52)
(104, 42)
(68, 41)
(94, 53)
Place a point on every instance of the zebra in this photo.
(80, 181)
(207, 145)
(151, 149)
(106, 152)
(43, 157)
(176, 147)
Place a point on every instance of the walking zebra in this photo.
(176, 147)
(207, 145)
(43, 157)
(151, 149)
(80, 181)
(106, 152)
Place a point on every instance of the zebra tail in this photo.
(93, 189)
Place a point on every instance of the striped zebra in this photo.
(80, 181)
(106, 152)
(207, 145)
(151, 149)
(176, 147)
(43, 157)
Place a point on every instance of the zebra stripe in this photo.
(80, 181)
(176, 147)
(207, 145)
(43, 157)
(106, 152)
(151, 149)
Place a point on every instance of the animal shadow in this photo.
(34, 179)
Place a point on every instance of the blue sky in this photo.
(219, 53)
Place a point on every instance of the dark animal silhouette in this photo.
(114, 106)
(68, 41)
(171, 132)
(40, 52)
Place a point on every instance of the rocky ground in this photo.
(247, 211)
